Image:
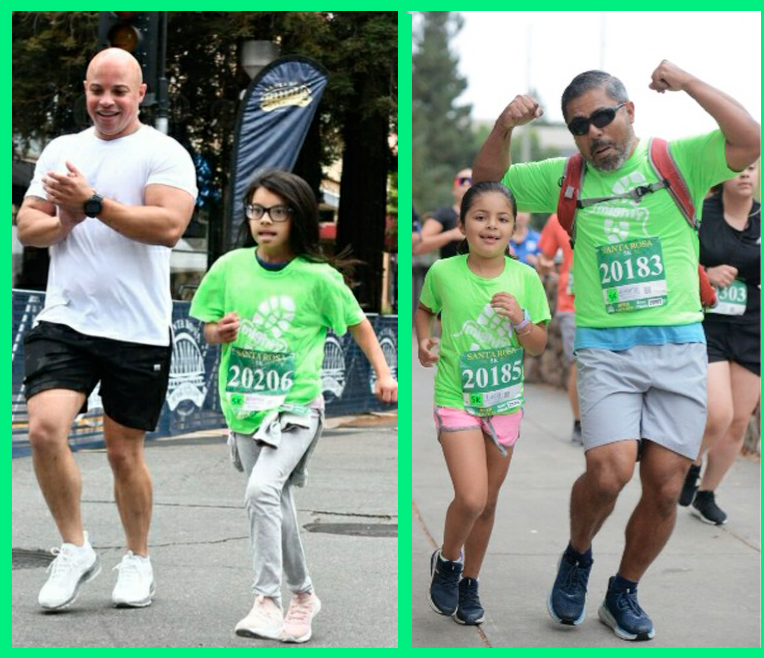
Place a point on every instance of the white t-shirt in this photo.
(101, 283)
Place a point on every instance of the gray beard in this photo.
(614, 162)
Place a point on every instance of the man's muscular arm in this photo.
(161, 220)
(493, 158)
(40, 226)
(742, 132)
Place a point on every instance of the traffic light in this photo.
(137, 32)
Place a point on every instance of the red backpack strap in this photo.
(664, 165)
(571, 184)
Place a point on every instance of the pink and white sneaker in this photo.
(302, 608)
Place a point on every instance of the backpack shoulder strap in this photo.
(571, 184)
(664, 165)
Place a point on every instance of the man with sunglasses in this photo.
(439, 230)
(639, 340)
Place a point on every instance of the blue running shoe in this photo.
(567, 602)
(621, 611)
(443, 594)
(469, 612)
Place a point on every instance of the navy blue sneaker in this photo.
(621, 611)
(567, 602)
(469, 611)
(443, 594)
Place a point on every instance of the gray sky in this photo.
(721, 48)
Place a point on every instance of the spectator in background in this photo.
(525, 241)
(440, 230)
(730, 249)
(554, 239)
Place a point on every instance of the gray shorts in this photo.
(654, 392)
(567, 323)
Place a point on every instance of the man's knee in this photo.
(125, 457)
(663, 496)
(608, 473)
(47, 434)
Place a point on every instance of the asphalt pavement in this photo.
(702, 591)
(200, 548)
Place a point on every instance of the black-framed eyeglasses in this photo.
(599, 118)
(462, 180)
(276, 213)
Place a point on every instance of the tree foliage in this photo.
(441, 128)
(358, 112)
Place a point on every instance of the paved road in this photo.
(703, 591)
(199, 548)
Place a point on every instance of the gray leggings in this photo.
(274, 531)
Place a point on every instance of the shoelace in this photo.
(576, 578)
(128, 572)
(62, 565)
(449, 578)
(627, 600)
(299, 612)
(470, 597)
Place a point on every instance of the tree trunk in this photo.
(363, 200)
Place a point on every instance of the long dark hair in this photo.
(303, 232)
(471, 196)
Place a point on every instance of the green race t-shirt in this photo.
(275, 361)
(635, 262)
(479, 352)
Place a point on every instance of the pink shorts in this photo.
(504, 429)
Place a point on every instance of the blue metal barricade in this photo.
(192, 402)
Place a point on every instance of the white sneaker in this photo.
(73, 566)
(297, 625)
(264, 620)
(135, 583)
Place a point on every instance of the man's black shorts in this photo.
(734, 341)
(133, 376)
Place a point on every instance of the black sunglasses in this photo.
(600, 118)
(461, 180)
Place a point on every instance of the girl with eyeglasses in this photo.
(270, 305)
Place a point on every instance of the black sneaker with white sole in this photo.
(705, 508)
(443, 593)
(469, 611)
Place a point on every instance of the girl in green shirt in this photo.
(270, 307)
(493, 308)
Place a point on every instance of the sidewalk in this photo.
(702, 591)
(199, 547)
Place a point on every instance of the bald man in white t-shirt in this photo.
(110, 202)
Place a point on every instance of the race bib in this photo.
(731, 300)
(492, 380)
(632, 275)
(258, 381)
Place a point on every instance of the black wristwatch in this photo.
(93, 206)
